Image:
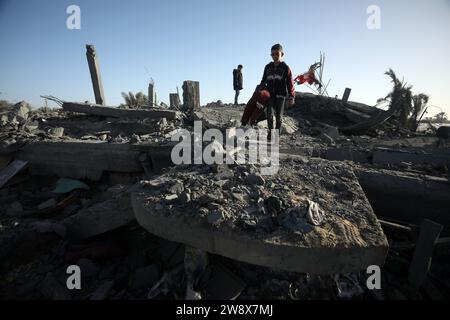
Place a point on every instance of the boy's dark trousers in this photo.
(275, 105)
(236, 96)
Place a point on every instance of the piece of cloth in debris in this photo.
(309, 76)
(314, 215)
(65, 185)
(253, 108)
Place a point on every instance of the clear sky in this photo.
(204, 40)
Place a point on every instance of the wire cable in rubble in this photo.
(54, 99)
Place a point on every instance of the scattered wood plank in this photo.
(11, 170)
(429, 233)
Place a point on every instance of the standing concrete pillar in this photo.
(191, 95)
(151, 94)
(346, 94)
(95, 74)
(174, 99)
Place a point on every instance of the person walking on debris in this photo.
(277, 78)
(237, 82)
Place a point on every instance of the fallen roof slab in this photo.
(80, 159)
(406, 196)
(103, 111)
(350, 239)
(386, 155)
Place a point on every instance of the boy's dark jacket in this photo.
(278, 80)
(237, 79)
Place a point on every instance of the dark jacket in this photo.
(237, 79)
(278, 80)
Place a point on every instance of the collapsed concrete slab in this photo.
(405, 196)
(263, 224)
(102, 111)
(80, 159)
(100, 218)
(386, 155)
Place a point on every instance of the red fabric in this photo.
(252, 112)
(308, 77)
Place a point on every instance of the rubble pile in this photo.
(354, 196)
(22, 124)
(304, 199)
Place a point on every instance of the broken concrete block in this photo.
(255, 179)
(33, 125)
(171, 197)
(332, 132)
(57, 132)
(176, 188)
(215, 217)
(21, 110)
(100, 218)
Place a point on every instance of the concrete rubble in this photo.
(95, 186)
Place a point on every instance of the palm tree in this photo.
(419, 102)
(135, 100)
(440, 117)
(400, 98)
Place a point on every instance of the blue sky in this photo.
(204, 40)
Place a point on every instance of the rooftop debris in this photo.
(352, 183)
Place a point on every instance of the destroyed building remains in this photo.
(94, 186)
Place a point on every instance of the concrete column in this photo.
(151, 95)
(191, 95)
(174, 100)
(95, 74)
(346, 94)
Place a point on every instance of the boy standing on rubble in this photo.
(277, 78)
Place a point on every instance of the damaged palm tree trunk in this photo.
(95, 74)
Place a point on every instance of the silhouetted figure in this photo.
(237, 82)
